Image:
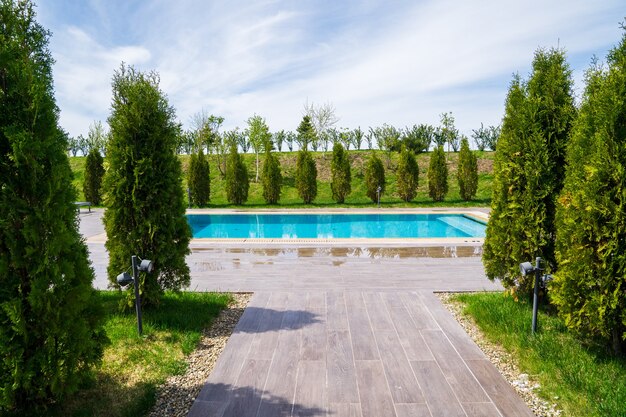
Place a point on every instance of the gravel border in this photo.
(176, 396)
(523, 384)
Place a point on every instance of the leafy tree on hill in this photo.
(259, 136)
(306, 176)
(374, 177)
(407, 175)
(50, 318)
(145, 213)
(94, 171)
(340, 171)
(591, 235)
(306, 133)
(529, 170)
(467, 172)
(438, 175)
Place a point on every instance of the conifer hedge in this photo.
(438, 175)
(271, 178)
(341, 178)
(529, 170)
(407, 175)
(92, 182)
(237, 178)
(306, 176)
(590, 286)
(199, 180)
(374, 177)
(145, 213)
(467, 172)
(50, 319)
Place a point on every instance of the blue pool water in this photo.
(323, 226)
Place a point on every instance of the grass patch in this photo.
(358, 198)
(132, 368)
(579, 375)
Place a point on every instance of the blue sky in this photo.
(395, 62)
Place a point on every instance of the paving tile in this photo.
(438, 394)
(311, 389)
(344, 410)
(362, 335)
(481, 410)
(375, 397)
(244, 400)
(336, 316)
(400, 377)
(340, 372)
(412, 410)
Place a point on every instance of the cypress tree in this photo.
(407, 175)
(306, 133)
(199, 180)
(467, 173)
(271, 178)
(438, 175)
(306, 176)
(145, 213)
(50, 318)
(237, 179)
(94, 171)
(529, 170)
(591, 236)
(340, 171)
(374, 177)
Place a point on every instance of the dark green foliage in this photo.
(50, 318)
(467, 172)
(418, 138)
(306, 133)
(340, 171)
(237, 179)
(271, 178)
(529, 170)
(306, 177)
(94, 171)
(374, 177)
(438, 175)
(145, 213)
(591, 238)
(407, 175)
(198, 180)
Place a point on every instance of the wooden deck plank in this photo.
(419, 313)
(314, 337)
(344, 410)
(412, 410)
(375, 397)
(245, 398)
(354, 299)
(481, 410)
(362, 336)
(500, 392)
(410, 338)
(402, 382)
(266, 338)
(460, 378)
(336, 316)
(310, 390)
(438, 394)
(379, 317)
(340, 372)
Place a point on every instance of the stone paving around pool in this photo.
(334, 331)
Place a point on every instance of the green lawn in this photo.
(358, 198)
(133, 366)
(580, 376)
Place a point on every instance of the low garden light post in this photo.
(124, 279)
(378, 190)
(540, 282)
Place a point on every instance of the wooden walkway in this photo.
(343, 332)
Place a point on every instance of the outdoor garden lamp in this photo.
(125, 279)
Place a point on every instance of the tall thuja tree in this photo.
(92, 182)
(437, 175)
(374, 177)
(591, 217)
(306, 176)
(407, 175)
(306, 133)
(271, 178)
(145, 213)
(198, 179)
(237, 179)
(340, 184)
(529, 170)
(467, 172)
(50, 319)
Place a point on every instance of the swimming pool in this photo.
(335, 225)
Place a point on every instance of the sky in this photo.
(395, 62)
